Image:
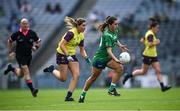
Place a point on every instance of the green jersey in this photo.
(108, 39)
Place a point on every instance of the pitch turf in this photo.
(97, 99)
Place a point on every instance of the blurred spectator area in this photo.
(42, 22)
(163, 9)
(133, 16)
(133, 23)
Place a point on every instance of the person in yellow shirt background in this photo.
(66, 54)
(150, 57)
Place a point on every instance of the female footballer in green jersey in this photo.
(150, 55)
(104, 56)
(66, 54)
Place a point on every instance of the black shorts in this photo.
(23, 60)
(62, 59)
(149, 60)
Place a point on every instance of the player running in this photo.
(66, 54)
(104, 57)
(150, 55)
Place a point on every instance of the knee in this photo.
(93, 78)
(76, 76)
(24, 69)
(158, 71)
(63, 79)
(120, 69)
(144, 72)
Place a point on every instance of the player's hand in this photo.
(118, 61)
(88, 60)
(124, 48)
(70, 58)
(142, 40)
(11, 55)
(35, 47)
(157, 41)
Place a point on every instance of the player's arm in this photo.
(82, 49)
(142, 40)
(11, 53)
(152, 42)
(122, 47)
(83, 52)
(109, 51)
(36, 45)
(10, 41)
(109, 43)
(63, 48)
(67, 38)
(37, 42)
(10, 45)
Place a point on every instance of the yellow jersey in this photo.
(73, 43)
(150, 51)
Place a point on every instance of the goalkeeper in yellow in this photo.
(66, 54)
(150, 55)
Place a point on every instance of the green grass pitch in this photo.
(96, 99)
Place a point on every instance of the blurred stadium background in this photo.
(46, 18)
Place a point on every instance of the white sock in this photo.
(112, 84)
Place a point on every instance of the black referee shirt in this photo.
(24, 42)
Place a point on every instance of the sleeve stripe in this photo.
(10, 40)
(69, 36)
(39, 40)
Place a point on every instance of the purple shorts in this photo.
(149, 60)
(62, 59)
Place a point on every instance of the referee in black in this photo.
(26, 42)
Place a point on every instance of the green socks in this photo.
(83, 93)
(112, 86)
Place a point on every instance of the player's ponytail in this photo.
(71, 23)
(109, 20)
(152, 23)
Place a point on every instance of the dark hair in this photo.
(79, 21)
(109, 20)
(70, 22)
(152, 23)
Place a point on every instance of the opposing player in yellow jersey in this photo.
(66, 54)
(150, 55)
